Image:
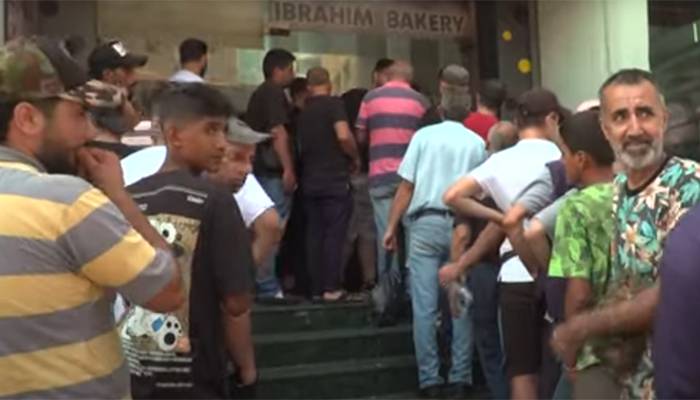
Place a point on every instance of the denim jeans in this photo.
(487, 335)
(267, 284)
(388, 269)
(429, 249)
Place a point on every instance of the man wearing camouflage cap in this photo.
(66, 245)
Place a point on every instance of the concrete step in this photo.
(279, 349)
(340, 379)
(268, 319)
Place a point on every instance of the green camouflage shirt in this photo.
(581, 247)
(642, 220)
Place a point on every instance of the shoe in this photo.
(431, 392)
(458, 391)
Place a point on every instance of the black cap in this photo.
(540, 102)
(111, 55)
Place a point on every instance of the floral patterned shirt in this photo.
(642, 220)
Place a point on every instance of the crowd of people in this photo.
(540, 243)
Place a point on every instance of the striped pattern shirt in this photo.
(65, 250)
(390, 115)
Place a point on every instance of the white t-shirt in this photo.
(186, 76)
(251, 198)
(503, 177)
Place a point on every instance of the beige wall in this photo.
(158, 27)
(582, 42)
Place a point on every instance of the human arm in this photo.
(632, 316)
(266, 235)
(460, 197)
(538, 244)
(513, 226)
(489, 240)
(461, 236)
(280, 142)
(347, 143)
(233, 270)
(402, 199)
(147, 258)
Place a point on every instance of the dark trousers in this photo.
(327, 219)
(487, 336)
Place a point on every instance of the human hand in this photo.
(566, 342)
(389, 240)
(101, 168)
(449, 273)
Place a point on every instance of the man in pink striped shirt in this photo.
(388, 118)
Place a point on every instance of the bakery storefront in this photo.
(347, 37)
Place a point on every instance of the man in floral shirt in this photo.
(649, 197)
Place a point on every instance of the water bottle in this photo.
(461, 299)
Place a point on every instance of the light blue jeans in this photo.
(429, 249)
(388, 269)
(267, 284)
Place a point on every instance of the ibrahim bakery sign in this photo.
(419, 18)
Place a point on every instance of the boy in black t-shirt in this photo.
(183, 354)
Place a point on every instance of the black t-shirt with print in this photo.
(326, 168)
(204, 226)
(268, 107)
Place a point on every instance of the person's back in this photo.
(182, 207)
(324, 165)
(447, 152)
(518, 166)
(390, 114)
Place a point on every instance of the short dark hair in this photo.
(582, 132)
(382, 64)
(629, 76)
(192, 49)
(492, 94)
(7, 109)
(190, 101)
(298, 85)
(317, 76)
(276, 58)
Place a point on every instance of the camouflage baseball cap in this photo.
(41, 68)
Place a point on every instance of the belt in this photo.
(431, 211)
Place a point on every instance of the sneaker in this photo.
(431, 392)
(458, 391)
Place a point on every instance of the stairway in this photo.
(316, 351)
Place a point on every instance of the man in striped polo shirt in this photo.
(388, 118)
(66, 245)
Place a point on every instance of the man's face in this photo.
(634, 121)
(380, 78)
(121, 76)
(287, 75)
(199, 143)
(235, 167)
(66, 131)
(573, 164)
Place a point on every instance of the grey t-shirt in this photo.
(538, 194)
(548, 216)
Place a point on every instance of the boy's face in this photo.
(235, 167)
(573, 164)
(200, 143)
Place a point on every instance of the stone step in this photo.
(269, 319)
(340, 379)
(279, 349)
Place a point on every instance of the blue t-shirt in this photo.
(437, 157)
(676, 330)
